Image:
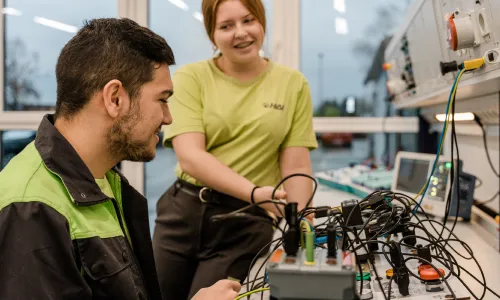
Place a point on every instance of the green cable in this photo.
(251, 292)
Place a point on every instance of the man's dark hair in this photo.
(103, 50)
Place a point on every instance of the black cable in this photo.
(451, 261)
(470, 274)
(312, 194)
(453, 234)
(431, 221)
(485, 143)
(454, 143)
(379, 283)
(449, 255)
(245, 282)
(255, 259)
(369, 261)
(378, 232)
(360, 269)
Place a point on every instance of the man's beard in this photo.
(120, 139)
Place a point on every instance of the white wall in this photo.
(475, 162)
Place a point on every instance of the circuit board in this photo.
(417, 289)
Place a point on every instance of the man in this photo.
(71, 227)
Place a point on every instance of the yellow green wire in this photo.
(251, 292)
(304, 224)
(445, 126)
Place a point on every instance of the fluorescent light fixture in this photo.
(198, 16)
(11, 11)
(339, 5)
(55, 24)
(458, 117)
(180, 4)
(341, 26)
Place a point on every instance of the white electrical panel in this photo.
(435, 35)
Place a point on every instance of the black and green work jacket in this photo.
(61, 237)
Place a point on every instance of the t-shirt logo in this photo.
(274, 106)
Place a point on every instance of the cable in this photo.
(485, 143)
(440, 244)
(451, 100)
(251, 292)
(454, 143)
(312, 194)
(279, 240)
(383, 213)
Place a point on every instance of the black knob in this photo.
(332, 241)
(447, 67)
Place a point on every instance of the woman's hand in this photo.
(265, 193)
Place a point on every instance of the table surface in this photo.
(487, 256)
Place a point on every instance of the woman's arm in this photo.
(299, 188)
(197, 162)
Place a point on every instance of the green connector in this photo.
(310, 247)
(366, 276)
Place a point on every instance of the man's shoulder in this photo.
(26, 179)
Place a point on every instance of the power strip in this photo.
(323, 278)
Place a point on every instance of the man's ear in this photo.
(115, 98)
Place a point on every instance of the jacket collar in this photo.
(60, 158)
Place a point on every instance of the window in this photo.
(13, 142)
(34, 34)
(176, 20)
(339, 42)
(338, 150)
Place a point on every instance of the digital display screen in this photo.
(412, 175)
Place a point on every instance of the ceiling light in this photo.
(198, 16)
(55, 24)
(468, 116)
(341, 26)
(11, 11)
(339, 5)
(180, 4)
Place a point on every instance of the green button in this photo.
(366, 276)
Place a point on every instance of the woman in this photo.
(241, 123)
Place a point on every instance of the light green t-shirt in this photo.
(246, 124)
(107, 190)
(105, 187)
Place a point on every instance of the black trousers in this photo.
(192, 251)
